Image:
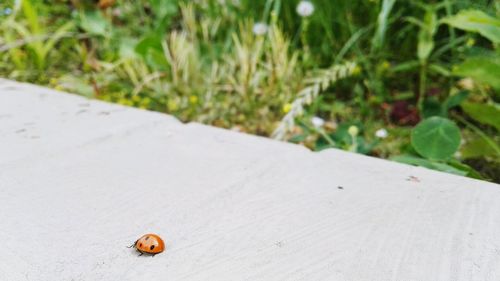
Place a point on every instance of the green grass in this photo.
(368, 64)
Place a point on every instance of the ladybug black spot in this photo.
(140, 245)
(147, 237)
(152, 247)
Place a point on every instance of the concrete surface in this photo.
(80, 180)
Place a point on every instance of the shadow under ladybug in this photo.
(150, 244)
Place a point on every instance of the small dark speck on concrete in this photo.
(20, 131)
(340, 187)
(413, 179)
(104, 113)
(81, 111)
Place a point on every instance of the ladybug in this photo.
(149, 244)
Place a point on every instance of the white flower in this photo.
(259, 28)
(353, 131)
(305, 8)
(381, 133)
(317, 122)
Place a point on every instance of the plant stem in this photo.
(449, 12)
(354, 146)
(326, 136)
(422, 86)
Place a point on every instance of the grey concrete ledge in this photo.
(82, 179)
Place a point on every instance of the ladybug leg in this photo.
(141, 254)
(133, 245)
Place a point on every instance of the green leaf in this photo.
(484, 113)
(152, 41)
(482, 69)
(342, 135)
(31, 15)
(94, 23)
(478, 147)
(406, 95)
(476, 21)
(436, 138)
(439, 69)
(382, 24)
(56, 36)
(164, 8)
(405, 66)
(163, 11)
(416, 161)
(127, 48)
(76, 85)
(470, 172)
(298, 138)
(151, 50)
(432, 107)
(426, 35)
(455, 100)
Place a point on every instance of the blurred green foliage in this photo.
(415, 81)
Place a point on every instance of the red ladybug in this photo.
(149, 244)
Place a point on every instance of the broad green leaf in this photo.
(151, 50)
(436, 138)
(152, 41)
(482, 69)
(476, 21)
(484, 113)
